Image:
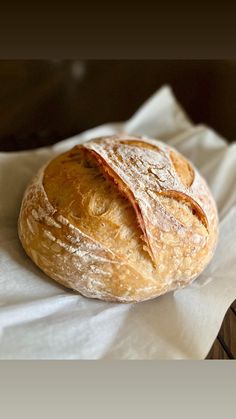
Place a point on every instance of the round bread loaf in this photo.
(120, 219)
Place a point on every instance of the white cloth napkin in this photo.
(41, 320)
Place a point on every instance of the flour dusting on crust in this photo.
(178, 220)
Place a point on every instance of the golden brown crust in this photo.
(120, 219)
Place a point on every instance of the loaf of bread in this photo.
(119, 218)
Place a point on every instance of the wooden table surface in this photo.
(42, 102)
(224, 346)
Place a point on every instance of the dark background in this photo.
(42, 102)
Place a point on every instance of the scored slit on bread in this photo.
(158, 181)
